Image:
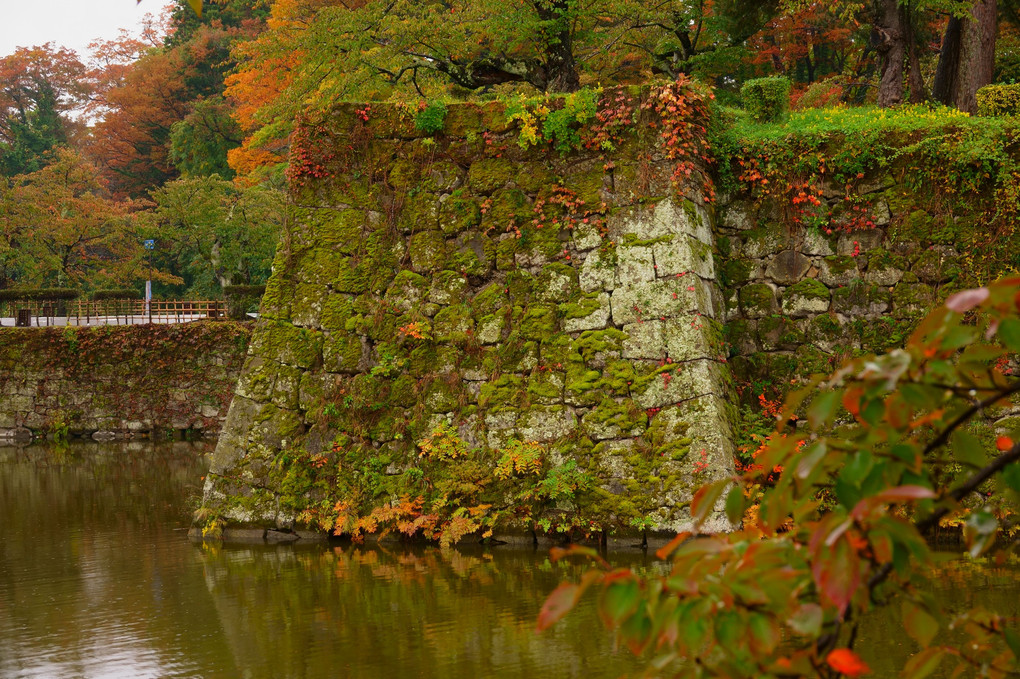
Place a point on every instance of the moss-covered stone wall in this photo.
(115, 381)
(472, 332)
(801, 299)
(508, 293)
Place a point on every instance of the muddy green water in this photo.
(98, 579)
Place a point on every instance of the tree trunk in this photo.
(977, 55)
(915, 80)
(891, 47)
(967, 59)
(561, 68)
(949, 58)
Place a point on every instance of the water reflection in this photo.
(372, 612)
(97, 579)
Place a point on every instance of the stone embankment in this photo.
(587, 301)
(116, 382)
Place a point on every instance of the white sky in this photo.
(69, 23)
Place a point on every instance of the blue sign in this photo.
(149, 244)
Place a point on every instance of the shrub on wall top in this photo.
(38, 294)
(242, 298)
(999, 100)
(116, 293)
(431, 118)
(243, 290)
(767, 100)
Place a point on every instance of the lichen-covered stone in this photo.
(806, 298)
(590, 312)
(757, 300)
(599, 271)
(635, 265)
(663, 298)
(428, 251)
(645, 340)
(471, 297)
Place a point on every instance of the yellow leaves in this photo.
(520, 459)
(442, 444)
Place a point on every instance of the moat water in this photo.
(98, 579)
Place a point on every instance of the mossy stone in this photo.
(776, 333)
(504, 208)
(298, 347)
(546, 386)
(404, 174)
(488, 174)
(557, 282)
(457, 215)
(505, 392)
(812, 361)
(520, 284)
(734, 272)
(351, 277)
(453, 323)
(448, 287)
(341, 230)
(757, 300)
(428, 251)
(539, 322)
(462, 119)
(336, 311)
(808, 297)
(860, 299)
(407, 291)
(490, 299)
(533, 177)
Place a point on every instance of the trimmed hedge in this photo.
(242, 298)
(243, 290)
(116, 293)
(767, 100)
(999, 100)
(38, 294)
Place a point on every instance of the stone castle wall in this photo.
(584, 300)
(118, 381)
(800, 300)
(566, 299)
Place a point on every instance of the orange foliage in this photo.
(848, 663)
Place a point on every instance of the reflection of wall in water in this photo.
(369, 613)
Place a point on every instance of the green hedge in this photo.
(767, 100)
(431, 118)
(242, 298)
(999, 100)
(116, 293)
(37, 294)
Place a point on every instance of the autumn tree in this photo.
(38, 87)
(59, 226)
(178, 81)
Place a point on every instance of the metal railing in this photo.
(110, 311)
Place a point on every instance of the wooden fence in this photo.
(112, 311)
